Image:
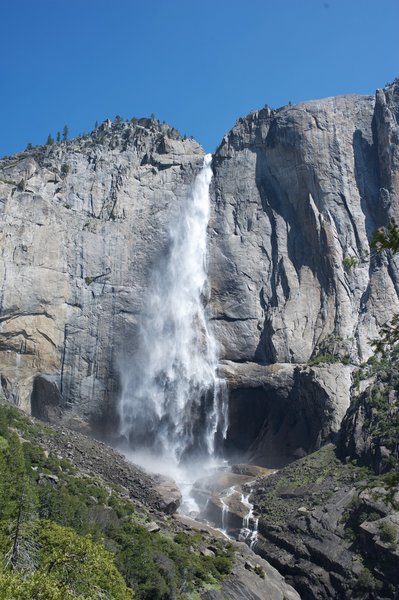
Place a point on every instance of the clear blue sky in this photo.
(197, 64)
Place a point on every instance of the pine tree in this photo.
(50, 140)
(58, 137)
(22, 504)
(65, 133)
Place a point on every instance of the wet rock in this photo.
(250, 470)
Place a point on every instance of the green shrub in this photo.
(366, 581)
(388, 533)
(259, 571)
(350, 262)
(87, 541)
(323, 359)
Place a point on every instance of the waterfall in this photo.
(173, 405)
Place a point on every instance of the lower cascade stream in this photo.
(230, 510)
(249, 531)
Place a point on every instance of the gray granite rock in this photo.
(78, 237)
(296, 196)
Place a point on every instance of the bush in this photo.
(366, 581)
(388, 533)
(350, 262)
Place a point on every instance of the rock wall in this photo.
(296, 196)
(82, 223)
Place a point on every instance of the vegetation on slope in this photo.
(68, 535)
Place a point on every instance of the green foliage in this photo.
(65, 133)
(64, 169)
(332, 349)
(259, 571)
(367, 582)
(350, 262)
(380, 408)
(320, 359)
(389, 336)
(50, 140)
(156, 567)
(88, 280)
(14, 586)
(79, 565)
(388, 533)
(67, 536)
(69, 566)
(386, 238)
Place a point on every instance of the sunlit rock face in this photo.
(298, 193)
(295, 198)
(82, 224)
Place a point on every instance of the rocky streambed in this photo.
(223, 498)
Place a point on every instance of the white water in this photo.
(225, 508)
(173, 405)
(249, 530)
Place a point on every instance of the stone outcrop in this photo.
(370, 429)
(253, 580)
(330, 529)
(281, 412)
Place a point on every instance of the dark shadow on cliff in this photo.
(306, 239)
(367, 180)
(272, 427)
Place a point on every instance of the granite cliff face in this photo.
(296, 196)
(82, 224)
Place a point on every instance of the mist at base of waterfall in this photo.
(184, 475)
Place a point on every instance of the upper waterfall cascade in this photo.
(173, 404)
